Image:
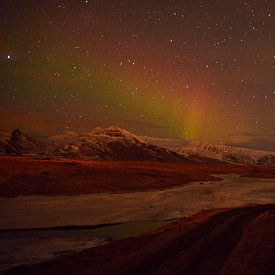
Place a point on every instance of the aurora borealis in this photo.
(184, 69)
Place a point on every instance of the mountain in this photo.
(19, 143)
(199, 151)
(267, 159)
(5, 147)
(112, 143)
(227, 153)
(26, 144)
(65, 137)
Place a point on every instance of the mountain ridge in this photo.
(111, 143)
(115, 143)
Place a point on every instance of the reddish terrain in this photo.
(27, 176)
(228, 241)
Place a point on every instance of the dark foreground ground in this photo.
(227, 241)
(30, 176)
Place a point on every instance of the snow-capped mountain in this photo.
(65, 137)
(114, 143)
(203, 151)
(110, 143)
(227, 153)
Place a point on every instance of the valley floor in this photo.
(138, 197)
(20, 176)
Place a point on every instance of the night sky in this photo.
(187, 69)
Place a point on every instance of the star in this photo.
(186, 66)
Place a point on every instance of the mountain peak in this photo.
(16, 132)
(114, 132)
(64, 136)
(17, 135)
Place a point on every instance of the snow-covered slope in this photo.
(65, 137)
(208, 152)
(227, 153)
(112, 143)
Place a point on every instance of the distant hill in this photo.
(227, 153)
(208, 151)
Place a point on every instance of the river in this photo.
(130, 213)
